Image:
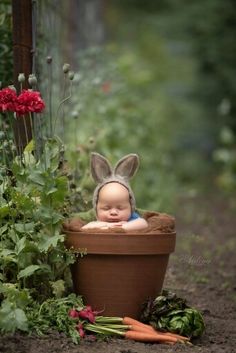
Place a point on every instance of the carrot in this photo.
(140, 328)
(183, 338)
(148, 328)
(151, 329)
(134, 325)
(130, 321)
(148, 337)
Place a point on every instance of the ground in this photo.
(202, 270)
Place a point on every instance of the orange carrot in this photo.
(148, 337)
(183, 338)
(148, 328)
(130, 321)
(140, 328)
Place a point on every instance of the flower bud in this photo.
(49, 59)
(32, 80)
(71, 75)
(21, 77)
(66, 68)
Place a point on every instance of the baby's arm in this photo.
(102, 225)
(136, 224)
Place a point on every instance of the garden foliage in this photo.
(34, 199)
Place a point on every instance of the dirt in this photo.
(202, 270)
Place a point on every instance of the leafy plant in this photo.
(171, 313)
(187, 322)
(53, 314)
(34, 195)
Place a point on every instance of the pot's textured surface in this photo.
(119, 271)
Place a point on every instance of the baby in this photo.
(113, 198)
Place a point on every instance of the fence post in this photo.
(22, 61)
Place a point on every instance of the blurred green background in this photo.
(155, 78)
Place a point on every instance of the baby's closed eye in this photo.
(105, 208)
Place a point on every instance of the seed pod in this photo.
(75, 114)
(66, 68)
(21, 77)
(49, 59)
(71, 75)
(32, 80)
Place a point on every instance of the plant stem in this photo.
(61, 104)
(103, 330)
(26, 132)
(109, 319)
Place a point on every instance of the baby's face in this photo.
(113, 203)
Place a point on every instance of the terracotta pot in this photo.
(120, 271)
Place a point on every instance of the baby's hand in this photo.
(116, 224)
(96, 224)
(104, 225)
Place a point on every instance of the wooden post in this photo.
(22, 61)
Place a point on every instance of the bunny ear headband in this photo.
(103, 173)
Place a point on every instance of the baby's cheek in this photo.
(101, 215)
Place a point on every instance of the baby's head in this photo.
(113, 184)
(113, 203)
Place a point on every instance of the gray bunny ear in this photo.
(100, 167)
(127, 166)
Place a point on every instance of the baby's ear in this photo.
(127, 166)
(100, 167)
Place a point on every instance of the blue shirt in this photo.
(134, 215)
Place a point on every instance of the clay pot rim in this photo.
(123, 234)
(121, 243)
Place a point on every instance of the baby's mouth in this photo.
(113, 220)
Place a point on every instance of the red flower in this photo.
(29, 102)
(87, 313)
(8, 99)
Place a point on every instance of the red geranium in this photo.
(8, 99)
(29, 102)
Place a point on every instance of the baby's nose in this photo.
(113, 211)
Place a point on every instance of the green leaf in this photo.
(30, 147)
(4, 211)
(28, 271)
(20, 245)
(37, 177)
(58, 288)
(20, 297)
(29, 159)
(12, 318)
(24, 227)
(8, 256)
(46, 242)
(3, 229)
